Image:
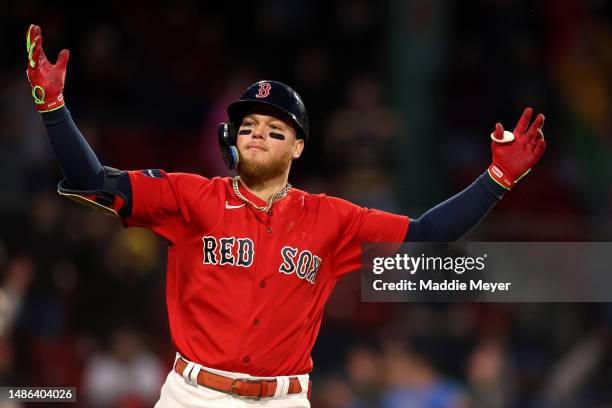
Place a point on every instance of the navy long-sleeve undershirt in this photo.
(450, 220)
(78, 162)
(446, 222)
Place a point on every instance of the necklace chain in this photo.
(276, 196)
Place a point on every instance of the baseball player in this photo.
(251, 259)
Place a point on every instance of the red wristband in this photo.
(500, 177)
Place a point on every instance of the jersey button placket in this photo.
(262, 284)
(246, 360)
(256, 322)
(269, 229)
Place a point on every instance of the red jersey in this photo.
(246, 288)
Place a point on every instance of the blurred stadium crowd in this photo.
(82, 299)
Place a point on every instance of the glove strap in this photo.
(44, 104)
(500, 177)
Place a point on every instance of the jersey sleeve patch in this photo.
(152, 173)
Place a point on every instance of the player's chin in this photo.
(255, 160)
(260, 167)
(250, 160)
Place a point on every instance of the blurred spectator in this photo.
(490, 376)
(128, 375)
(412, 381)
(18, 277)
(364, 372)
(17, 280)
(335, 392)
(568, 378)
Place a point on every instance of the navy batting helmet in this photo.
(270, 93)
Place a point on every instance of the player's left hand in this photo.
(46, 79)
(514, 154)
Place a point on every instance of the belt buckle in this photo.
(255, 398)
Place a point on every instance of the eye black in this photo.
(277, 136)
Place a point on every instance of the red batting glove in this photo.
(46, 79)
(514, 154)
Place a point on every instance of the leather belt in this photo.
(241, 387)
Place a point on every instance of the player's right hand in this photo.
(46, 79)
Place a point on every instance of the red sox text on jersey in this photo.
(240, 251)
(245, 289)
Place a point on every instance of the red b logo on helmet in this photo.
(264, 90)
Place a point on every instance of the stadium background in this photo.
(402, 96)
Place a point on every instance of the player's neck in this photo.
(264, 189)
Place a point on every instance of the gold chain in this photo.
(276, 196)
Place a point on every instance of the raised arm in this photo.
(85, 179)
(514, 154)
